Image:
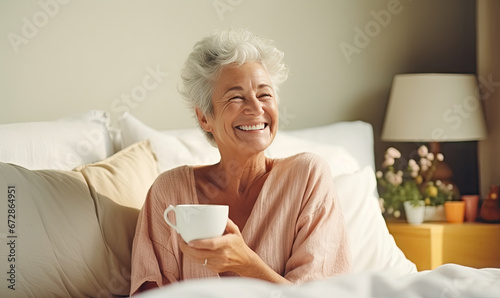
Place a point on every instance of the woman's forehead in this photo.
(233, 76)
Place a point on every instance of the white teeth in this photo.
(252, 127)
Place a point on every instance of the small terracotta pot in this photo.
(471, 203)
(455, 211)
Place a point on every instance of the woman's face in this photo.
(245, 109)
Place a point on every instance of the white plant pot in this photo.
(414, 214)
(434, 213)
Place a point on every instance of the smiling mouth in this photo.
(259, 126)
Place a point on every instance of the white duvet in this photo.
(446, 281)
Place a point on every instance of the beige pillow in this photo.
(119, 185)
(62, 244)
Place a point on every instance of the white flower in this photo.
(413, 165)
(393, 152)
(379, 174)
(429, 163)
(430, 156)
(397, 214)
(389, 161)
(438, 183)
(440, 157)
(414, 174)
(390, 210)
(422, 151)
(393, 179)
(424, 162)
(450, 186)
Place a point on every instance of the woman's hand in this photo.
(230, 253)
(226, 253)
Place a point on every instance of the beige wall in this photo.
(81, 55)
(488, 70)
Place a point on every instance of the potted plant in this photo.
(415, 211)
(411, 183)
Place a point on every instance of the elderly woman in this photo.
(285, 222)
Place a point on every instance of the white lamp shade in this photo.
(434, 108)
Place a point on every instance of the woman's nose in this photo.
(253, 106)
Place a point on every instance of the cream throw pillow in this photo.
(73, 229)
(120, 185)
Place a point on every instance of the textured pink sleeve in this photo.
(153, 256)
(320, 248)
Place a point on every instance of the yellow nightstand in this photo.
(430, 245)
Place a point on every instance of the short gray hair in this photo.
(221, 48)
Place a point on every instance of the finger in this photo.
(231, 227)
(205, 244)
(186, 249)
(197, 255)
(190, 249)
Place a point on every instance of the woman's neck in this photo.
(237, 173)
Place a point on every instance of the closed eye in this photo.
(265, 95)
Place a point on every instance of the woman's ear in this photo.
(203, 120)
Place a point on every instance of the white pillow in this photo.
(73, 229)
(173, 148)
(372, 246)
(354, 136)
(63, 144)
(339, 160)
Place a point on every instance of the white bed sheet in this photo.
(448, 280)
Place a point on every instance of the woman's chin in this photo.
(255, 146)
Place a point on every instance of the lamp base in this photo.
(443, 172)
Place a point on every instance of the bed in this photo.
(72, 189)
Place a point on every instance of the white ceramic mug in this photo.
(198, 221)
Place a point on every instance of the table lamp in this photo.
(434, 108)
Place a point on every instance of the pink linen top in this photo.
(296, 225)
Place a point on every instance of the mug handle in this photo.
(170, 208)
